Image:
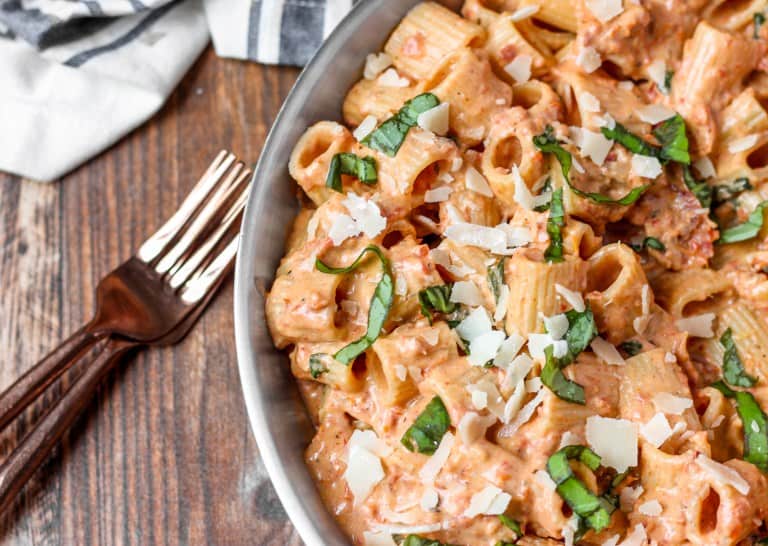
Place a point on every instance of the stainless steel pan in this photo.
(276, 413)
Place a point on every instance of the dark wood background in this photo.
(165, 454)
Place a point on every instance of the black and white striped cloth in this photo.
(77, 75)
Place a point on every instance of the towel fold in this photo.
(77, 75)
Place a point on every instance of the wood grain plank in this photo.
(164, 454)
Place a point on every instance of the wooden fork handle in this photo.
(29, 386)
(35, 447)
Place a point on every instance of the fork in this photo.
(153, 298)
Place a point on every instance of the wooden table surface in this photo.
(165, 454)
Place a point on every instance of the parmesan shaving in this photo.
(588, 102)
(435, 463)
(645, 166)
(438, 195)
(657, 430)
(742, 144)
(520, 68)
(484, 347)
(588, 59)
(391, 78)
(655, 113)
(524, 415)
(572, 297)
(605, 10)
(365, 128)
(523, 13)
(651, 508)
(435, 119)
(606, 352)
(466, 292)
(697, 325)
(595, 146)
(501, 305)
(375, 64)
(615, 440)
(669, 403)
(704, 167)
(723, 474)
(490, 501)
(477, 183)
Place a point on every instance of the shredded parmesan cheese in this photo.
(606, 352)
(524, 13)
(572, 297)
(645, 166)
(375, 64)
(365, 128)
(655, 113)
(669, 403)
(435, 463)
(657, 430)
(697, 325)
(588, 59)
(605, 10)
(723, 474)
(391, 78)
(520, 68)
(742, 144)
(615, 440)
(435, 119)
(477, 183)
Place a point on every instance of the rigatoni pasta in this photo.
(529, 282)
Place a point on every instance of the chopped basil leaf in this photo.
(747, 230)
(363, 168)
(546, 188)
(511, 524)
(436, 298)
(759, 20)
(416, 540)
(381, 303)
(390, 135)
(629, 140)
(555, 224)
(547, 143)
(700, 189)
(726, 192)
(649, 242)
(674, 141)
(496, 278)
(316, 366)
(733, 368)
(552, 376)
(594, 511)
(616, 481)
(631, 347)
(581, 331)
(427, 430)
(668, 75)
(671, 136)
(755, 425)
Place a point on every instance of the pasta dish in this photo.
(526, 295)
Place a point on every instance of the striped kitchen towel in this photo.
(77, 75)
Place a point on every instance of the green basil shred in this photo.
(670, 133)
(316, 366)
(547, 143)
(381, 303)
(555, 224)
(759, 20)
(581, 331)
(416, 540)
(752, 417)
(723, 193)
(699, 188)
(390, 135)
(733, 368)
(746, 231)
(496, 278)
(363, 168)
(631, 347)
(427, 430)
(649, 242)
(668, 75)
(594, 511)
(511, 524)
(436, 298)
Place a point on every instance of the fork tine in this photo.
(184, 269)
(204, 217)
(154, 245)
(197, 288)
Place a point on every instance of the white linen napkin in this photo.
(77, 75)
